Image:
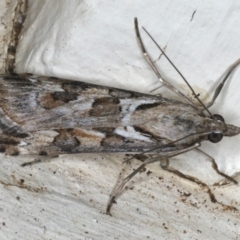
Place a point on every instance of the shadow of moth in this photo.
(48, 116)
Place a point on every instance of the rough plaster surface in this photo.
(94, 41)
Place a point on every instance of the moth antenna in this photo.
(185, 80)
(220, 86)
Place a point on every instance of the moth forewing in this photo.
(79, 117)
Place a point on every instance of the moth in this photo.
(49, 116)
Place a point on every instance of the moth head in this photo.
(227, 130)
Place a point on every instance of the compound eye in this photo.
(218, 117)
(215, 137)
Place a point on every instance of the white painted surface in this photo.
(94, 41)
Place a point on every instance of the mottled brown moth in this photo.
(48, 116)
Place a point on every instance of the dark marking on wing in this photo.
(66, 141)
(56, 99)
(99, 102)
(74, 86)
(143, 131)
(17, 79)
(147, 106)
(108, 131)
(119, 94)
(7, 140)
(105, 106)
(64, 96)
(48, 102)
(112, 140)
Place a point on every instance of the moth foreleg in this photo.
(131, 175)
(220, 86)
(215, 166)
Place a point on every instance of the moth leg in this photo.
(220, 86)
(131, 175)
(39, 160)
(215, 166)
(165, 166)
(151, 64)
